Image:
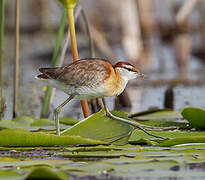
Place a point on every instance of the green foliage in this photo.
(195, 116)
(100, 127)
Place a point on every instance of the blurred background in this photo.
(164, 39)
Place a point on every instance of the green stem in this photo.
(54, 61)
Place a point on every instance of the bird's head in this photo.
(128, 71)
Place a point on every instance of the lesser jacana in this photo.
(89, 78)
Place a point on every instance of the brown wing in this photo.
(85, 72)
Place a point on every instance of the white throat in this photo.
(126, 75)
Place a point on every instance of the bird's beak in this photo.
(142, 75)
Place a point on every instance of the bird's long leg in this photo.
(135, 124)
(58, 110)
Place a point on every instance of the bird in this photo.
(90, 78)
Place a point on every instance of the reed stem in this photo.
(16, 62)
(71, 20)
(2, 17)
(55, 58)
(1, 40)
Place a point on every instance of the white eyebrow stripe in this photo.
(127, 66)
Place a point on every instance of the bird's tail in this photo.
(51, 73)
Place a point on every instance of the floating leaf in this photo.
(10, 174)
(101, 127)
(23, 138)
(115, 161)
(195, 116)
(6, 124)
(183, 140)
(26, 122)
(68, 120)
(46, 173)
(19, 122)
(163, 123)
(23, 119)
(179, 137)
(43, 122)
(157, 114)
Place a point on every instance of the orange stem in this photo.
(71, 20)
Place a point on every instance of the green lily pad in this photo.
(163, 123)
(23, 119)
(100, 127)
(183, 140)
(157, 114)
(6, 124)
(68, 121)
(195, 116)
(173, 138)
(23, 138)
(26, 122)
(46, 173)
(19, 122)
(43, 122)
(9, 174)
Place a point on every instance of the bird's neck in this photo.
(115, 84)
(121, 81)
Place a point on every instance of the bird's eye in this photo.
(129, 69)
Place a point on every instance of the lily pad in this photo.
(163, 123)
(173, 138)
(157, 114)
(183, 140)
(23, 119)
(9, 174)
(68, 120)
(6, 124)
(28, 123)
(19, 122)
(195, 116)
(43, 122)
(100, 127)
(46, 173)
(23, 138)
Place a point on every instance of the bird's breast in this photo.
(115, 84)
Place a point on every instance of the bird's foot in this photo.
(144, 128)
